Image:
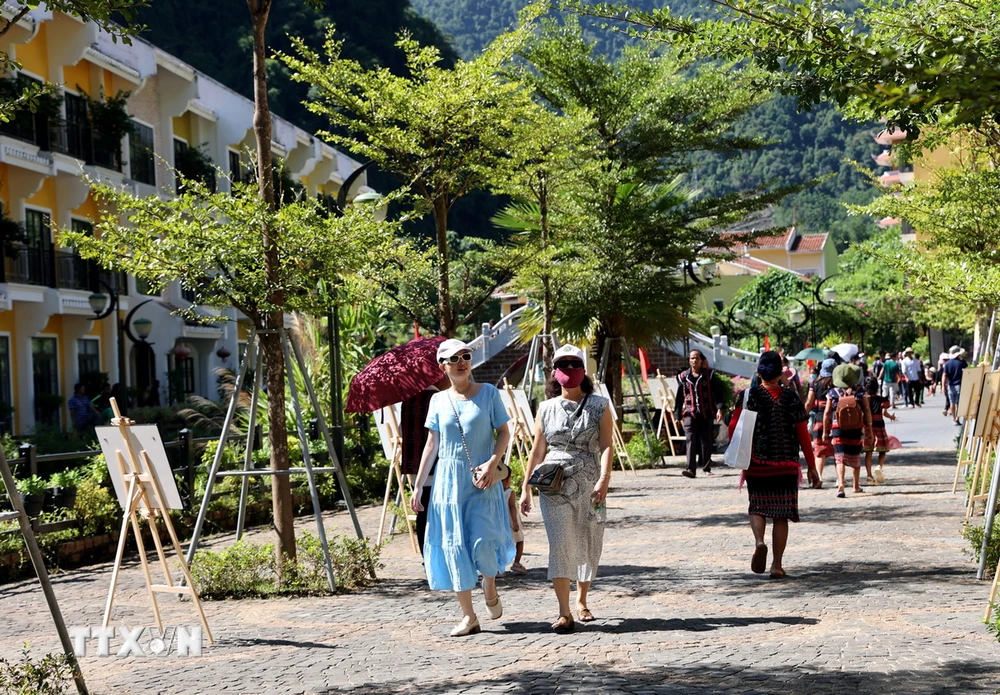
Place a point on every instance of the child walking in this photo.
(516, 532)
(845, 422)
(879, 440)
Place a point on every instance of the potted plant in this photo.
(32, 494)
(63, 485)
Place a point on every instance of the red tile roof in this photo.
(767, 242)
(753, 264)
(809, 242)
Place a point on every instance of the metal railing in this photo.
(76, 139)
(46, 267)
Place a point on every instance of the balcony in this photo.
(75, 139)
(30, 265)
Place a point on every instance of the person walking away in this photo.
(774, 474)
(847, 423)
(879, 439)
(816, 406)
(877, 366)
(412, 417)
(573, 430)
(952, 379)
(890, 379)
(942, 361)
(468, 528)
(913, 372)
(930, 378)
(82, 411)
(921, 381)
(862, 361)
(701, 395)
(516, 531)
(790, 376)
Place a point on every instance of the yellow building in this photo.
(49, 338)
(806, 255)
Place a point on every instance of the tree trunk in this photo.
(613, 373)
(281, 491)
(445, 315)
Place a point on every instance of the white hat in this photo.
(954, 350)
(571, 351)
(449, 348)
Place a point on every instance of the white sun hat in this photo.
(450, 347)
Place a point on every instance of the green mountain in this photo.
(807, 145)
(215, 38)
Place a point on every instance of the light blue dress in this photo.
(468, 529)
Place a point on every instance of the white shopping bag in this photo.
(741, 445)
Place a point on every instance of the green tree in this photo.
(212, 244)
(648, 117)
(116, 17)
(444, 132)
(911, 63)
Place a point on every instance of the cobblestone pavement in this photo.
(880, 598)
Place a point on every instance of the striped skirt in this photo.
(847, 445)
(774, 496)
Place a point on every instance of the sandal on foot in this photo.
(780, 574)
(467, 627)
(586, 616)
(858, 490)
(518, 568)
(564, 625)
(759, 559)
(841, 494)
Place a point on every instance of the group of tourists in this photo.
(469, 517)
(470, 527)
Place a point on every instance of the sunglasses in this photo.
(455, 359)
(568, 364)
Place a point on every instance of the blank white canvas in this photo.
(521, 399)
(382, 421)
(142, 438)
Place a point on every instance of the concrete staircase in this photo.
(494, 339)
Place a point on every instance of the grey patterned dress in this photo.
(574, 528)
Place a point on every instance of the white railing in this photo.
(494, 338)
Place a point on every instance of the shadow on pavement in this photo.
(971, 676)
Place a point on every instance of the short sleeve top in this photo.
(481, 415)
(774, 438)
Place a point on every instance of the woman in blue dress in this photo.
(468, 526)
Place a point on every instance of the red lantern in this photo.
(182, 352)
(223, 353)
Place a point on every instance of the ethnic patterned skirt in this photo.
(847, 445)
(774, 496)
(820, 451)
(881, 437)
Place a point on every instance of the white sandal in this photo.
(496, 609)
(467, 627)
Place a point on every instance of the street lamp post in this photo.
(828, 298)
(103, 308)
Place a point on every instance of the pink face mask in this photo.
(570, 378)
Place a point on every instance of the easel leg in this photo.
(248, 452)
(993, 593)
(406, 509)
(306, 458)
(140, 544)
(120, 554)
(385, 505)
(187, 575)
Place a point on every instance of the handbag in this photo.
(502, 469)
(741, 445)
(548, 478)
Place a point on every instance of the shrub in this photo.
(32, 486)
(639, 452)
(974, 534)
(367, 481)
(247, 570)
(993, 624)
(96, 508)
(49, 675)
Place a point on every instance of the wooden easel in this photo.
(145, 498)
(521, 437)
(987, 429)
(617, 440)
(392, 425)
(994, 590)
(663, 394)
(968, 405)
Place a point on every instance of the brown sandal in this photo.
(759, 561)
(586, 616)
(564, 625)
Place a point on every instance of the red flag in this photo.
(644, 364)
(767, 342)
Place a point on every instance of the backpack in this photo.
(849, 416)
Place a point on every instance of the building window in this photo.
(45, 375)
(88, 360)
(25, 125)
(235, 168)
(6, 397)
(142, 164)
(79, 141)
(39, 262)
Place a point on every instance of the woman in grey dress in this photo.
(573, 428)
